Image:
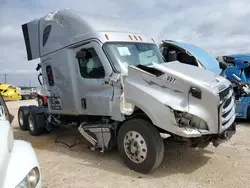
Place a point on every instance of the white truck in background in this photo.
(19, 166)
(27, 94)
(113, 82)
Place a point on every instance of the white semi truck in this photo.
(113, 82)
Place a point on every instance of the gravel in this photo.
(183, 167)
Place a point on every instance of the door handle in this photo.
(84, 103)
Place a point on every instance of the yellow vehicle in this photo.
(9, 92)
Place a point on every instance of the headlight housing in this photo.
(188, 120)
(31, 179)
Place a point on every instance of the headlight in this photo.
(185, 119)
(31, 179)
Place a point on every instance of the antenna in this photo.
(5, 78)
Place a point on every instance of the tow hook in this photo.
(227, 135)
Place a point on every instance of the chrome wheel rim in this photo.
(31, 123)
(135, 147)
(40, 102)
(21, 118)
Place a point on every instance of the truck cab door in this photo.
(93, 71)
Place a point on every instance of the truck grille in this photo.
(227, 108)
(224, 93)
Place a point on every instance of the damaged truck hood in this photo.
(166, 86)
(190, 72)
(161, 81)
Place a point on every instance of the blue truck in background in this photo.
(235, 68)
(238, 64)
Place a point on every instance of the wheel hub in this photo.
(135, 146)
(40, 102)
(21, 118)
(31, 123)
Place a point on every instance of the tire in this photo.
(33, 128)
(26, 97)
(23, 115)
(40, 101)
(147, 139)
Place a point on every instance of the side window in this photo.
(46, 33)
(91, 66)
(50, 75)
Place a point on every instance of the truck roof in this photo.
(66, 27)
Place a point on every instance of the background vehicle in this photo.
(113, 83)
(27, 93)
(19, 165)
(9, 92)
(238, 64)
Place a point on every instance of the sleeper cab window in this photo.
(46, 33)
(91, 66)
(50, 75)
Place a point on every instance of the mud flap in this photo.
(39, 113)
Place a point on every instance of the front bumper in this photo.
(225, 135)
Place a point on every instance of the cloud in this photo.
(218, 26)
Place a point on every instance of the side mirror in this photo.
(81, 54)
(236, 77)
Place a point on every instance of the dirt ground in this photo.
(78, 166)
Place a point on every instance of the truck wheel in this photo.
(26, 97)
(23, 115)
(33, 128)
(40, 101)
(140, 145)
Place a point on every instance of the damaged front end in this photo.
(195, 125)
(191, 124)
(177, 102)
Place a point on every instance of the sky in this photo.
(218, 26)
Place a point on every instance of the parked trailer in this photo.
(112, 81)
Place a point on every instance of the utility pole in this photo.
(29, 83)
(5, 78)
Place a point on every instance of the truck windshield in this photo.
(124, 54)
